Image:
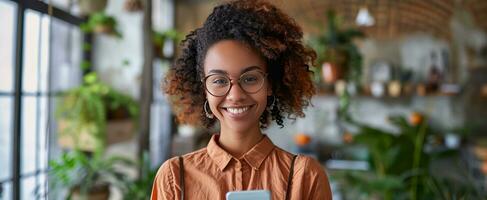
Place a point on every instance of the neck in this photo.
(238, 143)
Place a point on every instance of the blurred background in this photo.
(400, 110)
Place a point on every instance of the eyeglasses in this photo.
(219, 85)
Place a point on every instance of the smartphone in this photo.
(249, 195)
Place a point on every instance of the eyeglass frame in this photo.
(231, 83)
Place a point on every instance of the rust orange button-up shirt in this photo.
(212, 172)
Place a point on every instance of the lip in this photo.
(235, 115)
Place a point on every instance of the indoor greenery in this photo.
(336, 45)
(400, 165)
(139, 188)
(101, 23)
(80, 172)
(160, 38)
(87, 107)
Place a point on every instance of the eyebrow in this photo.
(219, 71)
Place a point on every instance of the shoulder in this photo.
(282, 154)
(167, 169)
(172, 165)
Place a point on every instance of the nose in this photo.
(236, 93)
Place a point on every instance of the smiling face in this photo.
(239, 109)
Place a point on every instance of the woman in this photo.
(246, 66)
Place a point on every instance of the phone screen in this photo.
(249, 195)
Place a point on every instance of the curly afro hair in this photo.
(270, 33)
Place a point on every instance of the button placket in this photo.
(238, 174)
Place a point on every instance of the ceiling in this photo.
(392, 17)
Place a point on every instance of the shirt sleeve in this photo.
(314, 181)
(163, 186)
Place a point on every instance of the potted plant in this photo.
(94, 115)
(88, 7)
(159, 39)
(400, 162)
(338, 55)
(86, 177)
(133, 5)
(139, 188)
(101, 23)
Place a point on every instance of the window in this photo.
(43, 61)
(7, 40)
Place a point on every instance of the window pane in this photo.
(32, 32)
(28, 188)
(29, 135)
(6, 132)
(44, 53)
(42, 142)
(65, 56)
(7, 191)
(7, 41)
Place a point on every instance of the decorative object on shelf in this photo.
(352, 88)
(408, 89)
(450, 89)
(101, 23)
(330, 72)
(303, 144)
(421, 89)
(377, 89)
(133, 5)
(347, 137)
(340, 87)
(88, 7)
(338, 55)
(159, 40)
(452, 140)
(381, 71)
(394, 88)
(434, 78)
(302, 139)
(93, 115)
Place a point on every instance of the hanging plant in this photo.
(133, 5)
(160, 38)
(83, 113)
(101, 23)
(337, 52)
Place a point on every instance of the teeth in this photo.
(237, 110)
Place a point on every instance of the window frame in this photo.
(43, 8)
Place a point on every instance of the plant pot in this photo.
(340, 87)
(377, 89)
(117, 131)
(88, 7)
(105, 29)
(159, 51)
(133, 5)
(101, 192)
(394, 88)
(330, 72)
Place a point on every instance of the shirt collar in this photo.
(254, 157)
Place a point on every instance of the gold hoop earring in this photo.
(209, 115)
